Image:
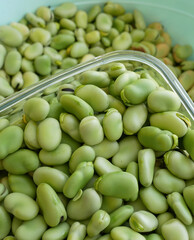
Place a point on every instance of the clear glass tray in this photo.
(165, 77)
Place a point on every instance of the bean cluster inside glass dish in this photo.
(107, 156)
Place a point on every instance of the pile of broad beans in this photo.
(47, 41)
(108, 156)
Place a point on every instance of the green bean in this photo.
(86, 92)
(154, 236)
(146, 163)
(3, 191)
(130, 123)
(133, 168)
(52, 208)
(82, 154)
(187, 142)
(33, 51)
(173, 229)
(10, 36)
(110, 204)
(123, 80)
(68, 62)
(77, 231)
(78, 209)
(96, 51)
(21, 206)
(65, 10)
(42, 65)
(55, 178)
(181, 52)
(119, 216)
(78, 49)
(116, 69)
(179, 165)
(158, 140)
(103, 22)
(100, 79)
(91, 130)
(167, 183)
(80, 177)
(76, 106)
(49, 134)
(112, 120)
(40, 35)
(4, 75)
(87, 57)
(11, 139)
(27, 65)
(9, 238)
(34, 20)
(34, 229)
(158, 204)
(23, 29)
(138, 91)
(17, 81)
(174, 122)
(53, 28)
(125, 185)
(188, 197)
(15, 224)
(21, 161)
(58, 156)
(70, 141)
(98, 222)
(34, 113)
(45, 13)
(22, 184)
(190, 230)
(162, 218)
(119, 233)
(139, 20)
(92, 37)
(70, 125)
(5, 222)
(5, 89)
(81, 19)
(122, 41)
(12, 62)
(59, 232)
(128, 152)
(119, 24)
(29, 78)
(114, 9)
(161, 100)
(177, 203)
(117, 104)
(2, 55)
(143, 221)
(103, 166)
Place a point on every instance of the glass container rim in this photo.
(120, 55)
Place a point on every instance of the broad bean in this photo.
(84, 207)
(49, 134)
(21, 161)
(55, 178)
(127, 188)
(48, 199)
(5, 222)
(58, 156)
(34, 229)
(21, 206)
